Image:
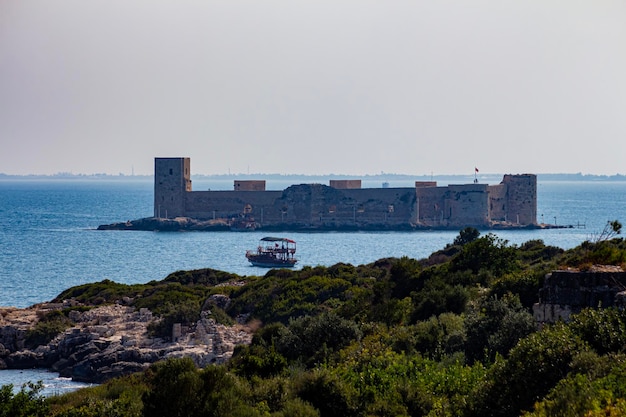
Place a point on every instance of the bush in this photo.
(314, 339)
(105, 291)
(187, 314)
(467, 235)
(175, 386)
(439, 336)
(327, 393)
(438, 297)
(494, 325)
(297, 408)
(586, 395)
(47, 328)
(26, 403)
(489, 253)
(535, 365)
(256, 360)
(603, 329)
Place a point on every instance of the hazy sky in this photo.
(313, 87)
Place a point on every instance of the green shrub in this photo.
(494, 325)
(187, 314)
(102, 292)
(178, 388)
(603, 329)
(27, 402)
(256, 360)
(534, 367)
(47, 328)
(204, 277)
(438, 297)
(327, 393)
(313, 340)
(220, 316)
(467, 235)
(487, 252)
(586, 395)
(175, 389)
(439, 336)
(297, 408)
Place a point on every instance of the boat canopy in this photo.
(277, 239)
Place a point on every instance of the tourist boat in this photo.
(273, 252)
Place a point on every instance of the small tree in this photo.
(611, 229)
(467, 235)
(27, 402)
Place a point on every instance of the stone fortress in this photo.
(344, 205)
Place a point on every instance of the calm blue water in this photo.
(48, 240)
(52, 383)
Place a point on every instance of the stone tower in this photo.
(521, 198)
(172, 179)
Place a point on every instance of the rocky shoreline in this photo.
(191, 224)
(110, 341)
(165, 225)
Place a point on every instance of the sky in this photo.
(313, 87)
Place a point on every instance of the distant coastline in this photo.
(446, 178)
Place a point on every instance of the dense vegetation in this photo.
(451, 335)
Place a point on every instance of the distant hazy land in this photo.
(382, 177)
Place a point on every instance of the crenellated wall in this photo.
(346, 205)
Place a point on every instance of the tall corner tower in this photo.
(522, 198)
(172, 179)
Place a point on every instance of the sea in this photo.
(49, 239)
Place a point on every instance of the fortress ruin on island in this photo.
(343, 204)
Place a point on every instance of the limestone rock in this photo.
(110, 341)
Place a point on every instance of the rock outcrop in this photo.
(110, 341)
(169, 225)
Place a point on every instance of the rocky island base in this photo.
(216, 225)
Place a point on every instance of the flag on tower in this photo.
(475, 169)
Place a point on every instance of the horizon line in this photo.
(377, 175)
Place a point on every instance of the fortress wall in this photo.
(226, 204)
(307, 204)
(419, 184)
(383, 205)
(430, 205)
(522, 198)
(498, 202)
(454, 206)
(345, 184)
(314, 205)
(467, 205)
(320, 205)
(249, 185)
